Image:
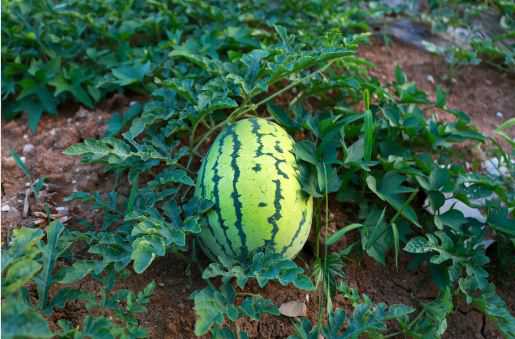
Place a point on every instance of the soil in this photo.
(483, 92)
(43, 154)
(478, 90)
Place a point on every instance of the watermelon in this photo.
(251, 175)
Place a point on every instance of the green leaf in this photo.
(264, 267)
(281, 116)
(302, 282)
(452, 218)
(168, 176)
(417, 245)
(78, 271)
(71, 82)
(212, 306)
(253, 307)
(34, 111)
(409, 93)
(22, 321)
(336, 236)
(19, 274)
(393, 114)
(367, 319)
(499, 219)
(506, 125)
(436, 199)
(441, 97)
(208, 103)
(129, 74)
(396, 242)
(356, 152)
(143, 254)
(391, 190)
(496, 310)
(97, 327)
(114, 125)
(118, 122)
(306, 151)
(433, 324)
(50, 253)
(375, 237)
(23, 245)
(67, 294)
(369, 130)
(400, 76)
(398, 311)
(21, 164)
(133, 181)
(510, 140)
(327, 178)
(438, 178)
(191, 56)
(108, 150)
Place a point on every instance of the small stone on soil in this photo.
(28, 148)
(6, 208)
(293, 309)
(62, 210)
(82, 113)
(499, 115)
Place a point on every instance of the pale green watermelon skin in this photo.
(251, 175)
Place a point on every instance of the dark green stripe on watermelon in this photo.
(259, 151)
(236, 145)
(259, 136)
(216, 193)
(297, 232)
(277, 213)
(203, 195)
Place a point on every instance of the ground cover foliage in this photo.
(379, 148)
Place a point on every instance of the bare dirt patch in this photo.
(487, 95)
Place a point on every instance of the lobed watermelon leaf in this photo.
(213, 306)
(264, 267)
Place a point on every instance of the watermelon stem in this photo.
(248, 294)
(245, 108)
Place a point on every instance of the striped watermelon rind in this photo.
(251, 175)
